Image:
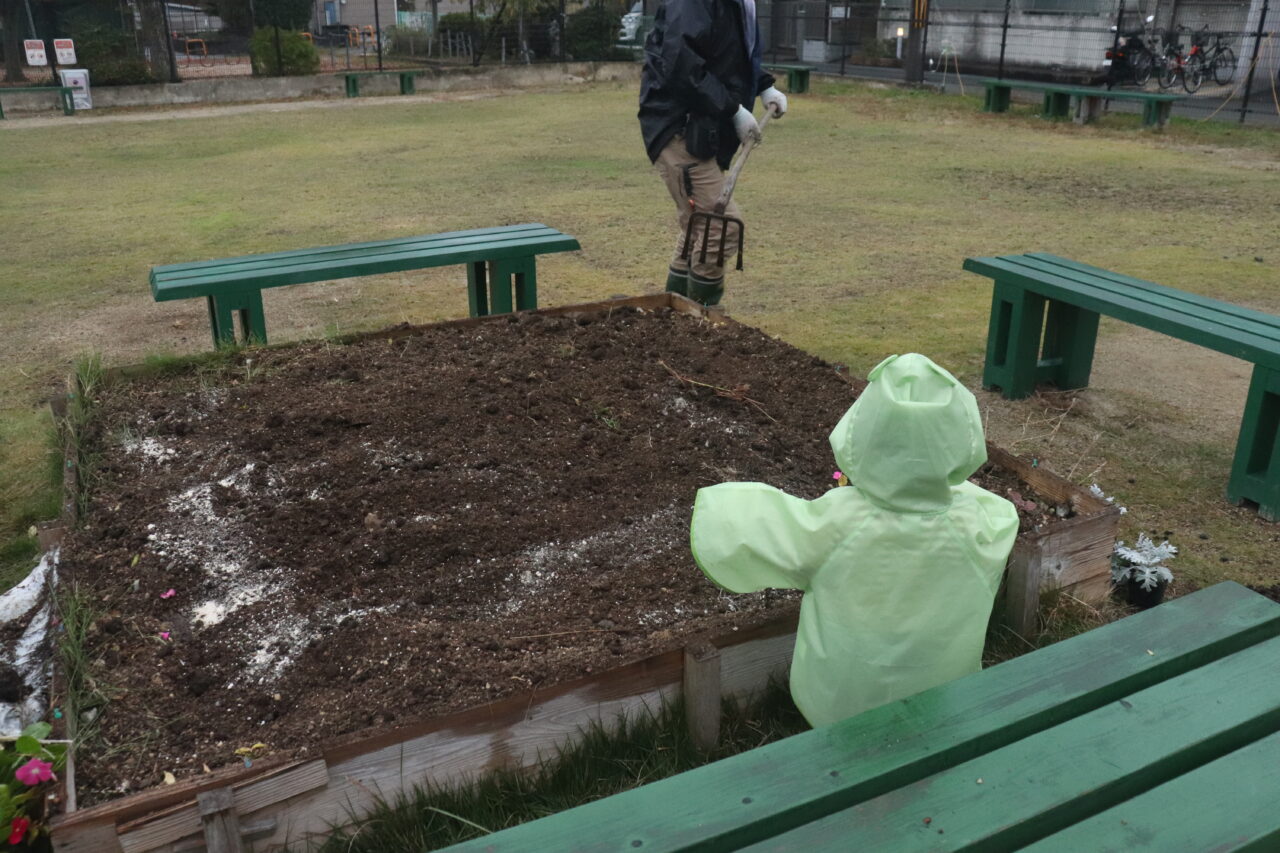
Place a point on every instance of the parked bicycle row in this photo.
(1144, 53)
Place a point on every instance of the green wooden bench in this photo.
(1027, 344)
(1055, 747)
(352, 80)
(65, 97)
(797, 77)
(498, 260)
(1088, 101)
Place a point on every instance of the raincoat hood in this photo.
(913, 434)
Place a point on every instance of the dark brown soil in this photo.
(358, 536)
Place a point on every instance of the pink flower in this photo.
(168, 593)
(34, 772)
(18, 829)
(836, 475)
(164, 635)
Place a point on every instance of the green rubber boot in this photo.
(678, 281)
(706, 290)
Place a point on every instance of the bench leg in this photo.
(1255, 473)
(478, 288)
(1066, 358)
(406, 83)
(222, 311)
(1013, 340)
(353, 86)
(997, 99)
(1156, 113)
(801, 85)
(513, 276)
(1056, 105)
(1088, 108)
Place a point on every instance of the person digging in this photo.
(899, 570)
(701, 75)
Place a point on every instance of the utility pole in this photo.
(913, 67)
(1253, 63)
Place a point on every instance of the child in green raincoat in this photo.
(900, 570)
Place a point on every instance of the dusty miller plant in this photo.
(1143, 562)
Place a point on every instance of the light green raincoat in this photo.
(899, 569)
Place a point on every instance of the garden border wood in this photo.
(281, 801)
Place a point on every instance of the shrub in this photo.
(298, 56)
(109, 56)
(592, 32)
(462, 22)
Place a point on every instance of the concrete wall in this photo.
(1069, 43)
(249, 89)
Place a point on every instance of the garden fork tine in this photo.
(717, 214)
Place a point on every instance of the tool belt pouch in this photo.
(702, 137)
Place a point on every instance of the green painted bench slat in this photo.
(758, 794)
(1233, 336)
(66, 96)
(1193, 300)
(182, 284)
(351, 80)
(501, 268)
(375, 244)
(1026, 791)
(1044, 326)
(1058, 98)
(1215, 807)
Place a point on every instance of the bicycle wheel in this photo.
(1167, 74)
(1193, 75)
(1141, 63)
(1224, 66)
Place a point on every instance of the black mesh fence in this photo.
(1221, 56)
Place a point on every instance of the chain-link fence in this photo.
(218, 38)
(1222, 56)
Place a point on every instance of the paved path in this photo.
(203, 111)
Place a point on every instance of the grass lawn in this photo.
(861, 207)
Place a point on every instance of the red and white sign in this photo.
(35, 52)
(65, 51)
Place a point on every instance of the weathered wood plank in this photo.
(1021, 793)
(155, 830)
(701, 690)
(758, 794)
(1226, 805)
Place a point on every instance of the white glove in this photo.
(774, 101)
(745, 125)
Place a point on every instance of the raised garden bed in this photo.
(424, 553)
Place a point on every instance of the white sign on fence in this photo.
(35, 52)
(65, 51)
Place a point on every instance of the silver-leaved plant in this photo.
(1143, 562)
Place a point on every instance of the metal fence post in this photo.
(1115, 45)
(1253, 62)
(1004, 38)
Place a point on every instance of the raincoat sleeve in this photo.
(688, 25)
(749, 536)
(994, 530)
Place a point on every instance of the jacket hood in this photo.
(913, 434)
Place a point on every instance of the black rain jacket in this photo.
(696, 63)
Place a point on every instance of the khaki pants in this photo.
(682, 173)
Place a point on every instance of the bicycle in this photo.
(1173, 64)
(1219, 58)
